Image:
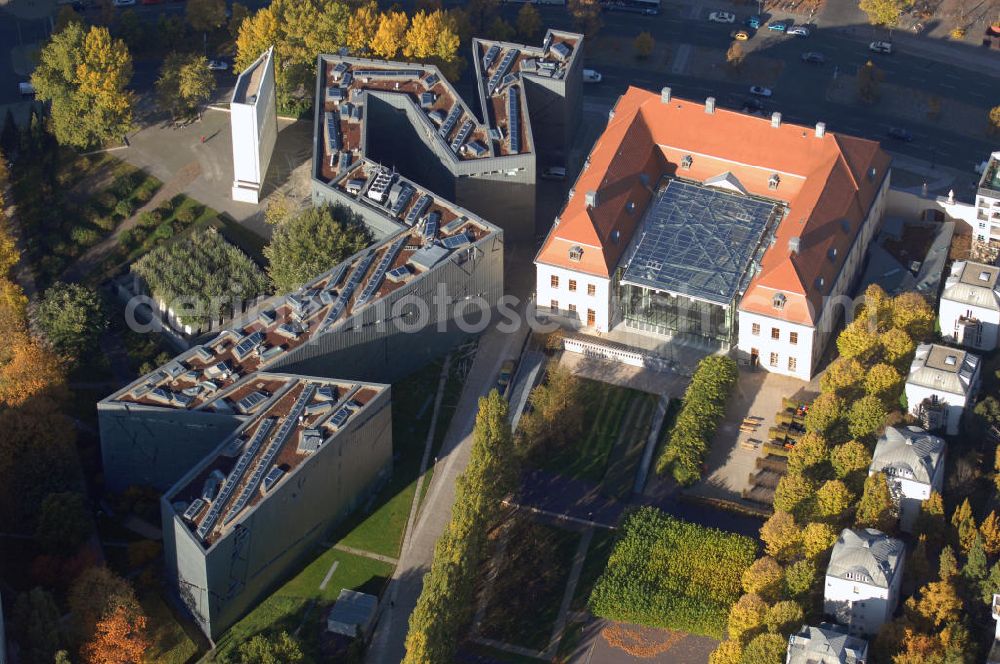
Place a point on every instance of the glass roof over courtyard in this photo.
(700, 241)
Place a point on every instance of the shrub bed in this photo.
(665, 572)
(703, 408)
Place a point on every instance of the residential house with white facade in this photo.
(969, 310)
(863, 580)
(987, 228)
(699, 223)
(913, 462)
(826, 644)
(942, 382)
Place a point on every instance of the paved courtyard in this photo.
(759, 394)
(637, 378)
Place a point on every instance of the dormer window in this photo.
(774, 181)
(616, 236)
(686, 162)
(820, 282)
(778, 301)
(832, 254)
(576, 253)
(871, 174)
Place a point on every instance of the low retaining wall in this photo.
(610, 350)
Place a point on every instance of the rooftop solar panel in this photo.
(462, 134)
(431, 80)
(514, 118)
(490, 57)
(405, 194)
(418, 209)
(455, 241)
(376, 279)
(450, 121)
(700, 241)
(348, 290)
(388, 73)
(503, 69)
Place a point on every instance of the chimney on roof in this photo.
(794, 244)
(775, 119)
(665, 95)
(820, 129)
(591, 199)
(710, 105)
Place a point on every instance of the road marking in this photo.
(681, 58)
(329, 574)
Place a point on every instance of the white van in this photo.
(26, 89)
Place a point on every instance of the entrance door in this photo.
(754, 358)
(591, 317)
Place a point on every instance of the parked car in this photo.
(26, 89)
(813, 57)
(900, 134)
(503, 381)
(218, 65)
(760, 91)
(880, 47)
(554, 173)
(777, 26)
(799, 31)
(591, 76)
(755, 21)
(722, 17)
(740, 35)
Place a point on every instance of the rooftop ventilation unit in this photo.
(775, 119)
(794, 244)
(591, 199)
(710, 105)
(820, 129)
(665, 95)
(380, 185)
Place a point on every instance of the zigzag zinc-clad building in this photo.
(377, 316)
(310, 453)
(376, 118)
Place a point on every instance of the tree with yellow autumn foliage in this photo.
(361, 27)
(431, 36)
(120, 638)
(390, 37)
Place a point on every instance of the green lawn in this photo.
(606, 409)
(300, 602)
(527, 591)
(171, 643)
(598, 553)
(619, 480)
(381, 531)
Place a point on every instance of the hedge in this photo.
(669, 573)
(703, 408)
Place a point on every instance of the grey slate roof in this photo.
(908, 452)
(943, 369)
(826, 644)
(975, 284)
(866, 556)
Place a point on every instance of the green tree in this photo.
(869, 77)
(185, 83)
(557, 411)
(84, 75)
(586, 16)
(784, 617)
(36, 623)
(965, 525)
(278, 648)
(500, 29)
(205, 15)
(897, 347)
(765, 649)
(818, 538)
(644, 45)
(832, 500)
(993, 121)
(850, 463)
(844, 376)
(313, 241)
(529, 23)
(763, 578)
(746, 617)
(976, 568)
(781, 536)
(826, 416)
(866, 416)
(876, 509)
(883, 13)
(947, 564)
(800, 578)
(131, 29)
(71, 317)
(858, 340)
(63, 523)
(884, 383)
(795, 494)
(991, 585)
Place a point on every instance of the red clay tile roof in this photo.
(822, 180)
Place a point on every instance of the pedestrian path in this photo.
(574, 579)
(366, 554)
